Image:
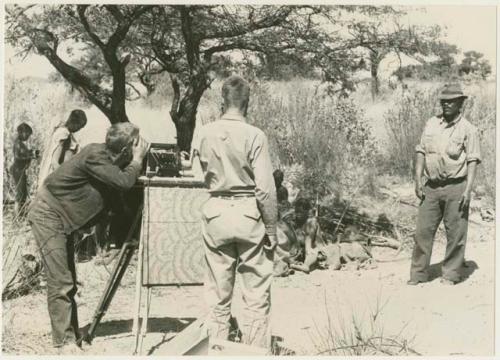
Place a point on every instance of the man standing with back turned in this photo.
(449, 154)
(239, 220)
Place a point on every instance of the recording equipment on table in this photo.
(163, 160)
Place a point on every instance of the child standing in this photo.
(22, 159)
(63, 144)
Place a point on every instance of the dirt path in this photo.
(435, 319)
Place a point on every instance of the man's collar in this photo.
(232, 116)
(448, 124)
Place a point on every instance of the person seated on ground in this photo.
(62, 144)
(305, 253)
(22, 160)
(71, 198)
(284, 205)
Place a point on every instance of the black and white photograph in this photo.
(253, 179)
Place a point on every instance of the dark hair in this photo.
(303, 204)
(282, 194)
(24, 127)
(77, 118)
(278, 177)
(120, 135)
(235, 92)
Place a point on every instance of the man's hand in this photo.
(185, 160)
(270, 242)
(465, 200)
(419, 190)
(140, 149)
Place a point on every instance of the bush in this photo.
(405, 124)
(327, 137)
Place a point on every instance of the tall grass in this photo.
(327, 137)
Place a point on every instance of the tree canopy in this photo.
(104, 51)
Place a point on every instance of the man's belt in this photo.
(236, 196)
(449, 181)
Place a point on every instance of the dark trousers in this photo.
(441, 202)
(57, 252)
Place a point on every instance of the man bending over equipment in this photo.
(72, 197)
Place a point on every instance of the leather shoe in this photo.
(447, 282)
(413, 282)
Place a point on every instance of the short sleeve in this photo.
(472, 147)
(420, 147)
(60, 134)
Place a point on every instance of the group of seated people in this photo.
(300, 240)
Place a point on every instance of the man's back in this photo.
(228, 148)
(79, 187)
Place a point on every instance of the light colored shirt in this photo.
(234, 157)
(57, 139)
(448, 147)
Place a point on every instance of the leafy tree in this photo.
(116, 46)
(382, 34)
(98, 34)
(474, 63)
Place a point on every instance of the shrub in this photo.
(405, 124)
(327, 137)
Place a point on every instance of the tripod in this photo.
(126, 253)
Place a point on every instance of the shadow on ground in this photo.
(468, 269)
(155, 325)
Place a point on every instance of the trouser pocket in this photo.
(226, 221)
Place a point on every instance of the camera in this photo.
(163, 160)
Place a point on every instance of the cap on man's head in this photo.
(452, 91)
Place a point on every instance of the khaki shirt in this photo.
(448, 147)
(234, 157)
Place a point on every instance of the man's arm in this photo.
(311, 229)
(100, 168)
(22, 152)
(112, 175)
(473, 158)
(265, 189)
(419, 171)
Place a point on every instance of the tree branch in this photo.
(175, 101)
(275, 19)
(83, 19)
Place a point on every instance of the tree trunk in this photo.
(118, 112)
(183, 112)
(374, 80)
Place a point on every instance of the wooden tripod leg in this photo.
(136, 328)
(145, 317)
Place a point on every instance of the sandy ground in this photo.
(433, 318)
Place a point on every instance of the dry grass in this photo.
(358, 336)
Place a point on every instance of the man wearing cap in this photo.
(447, 155)
(239, 220)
